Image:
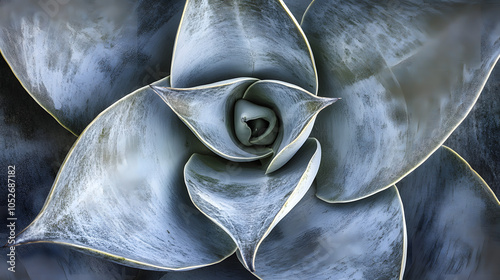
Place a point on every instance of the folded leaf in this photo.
(365, 239)
(453, 221)
(78, 57)
(220, 40)
(296, 110)
(246, 202)
(120, 193)
(408, 74)
(209, 112)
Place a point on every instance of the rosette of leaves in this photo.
(209, 146)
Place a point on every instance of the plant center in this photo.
(254, 124)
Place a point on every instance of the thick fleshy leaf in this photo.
(297, 7)
(245, 201)
(78, 57)
(477, 139)
(209, 112)
(408, 75)
(36, 144)
(296, 109)
(120, 193)
(220, 40)
(365, 239)
(453, 221)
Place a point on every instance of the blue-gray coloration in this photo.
(31, 141)
(404, 82)
(228, 269)
(296, 110)
(360, 240)
(220, 40)
(403, 48)
(297, 7)
(477, 139)
(453, 221)
(120, 192)
(254, 124)
(246, 202)
(79, 57)
(209, 112)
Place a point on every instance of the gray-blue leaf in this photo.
(120, 192)
(453, 221)
(78, 57)
(220, 40)
(245, 201)
(408, 72)
(365, 239)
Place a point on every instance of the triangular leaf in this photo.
(245, 201)
(120, 193)
(408, 74)
(220, 40)
(296, 110)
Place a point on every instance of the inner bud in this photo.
(254, 124)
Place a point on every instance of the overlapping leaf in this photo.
(408, 74)
(316, 240)
(209, 112)
(220, 40)
(245, 201)
(120, 192)
(477, 139)
(78, 57)
(453, 221)
(297, 7)
(296, 110)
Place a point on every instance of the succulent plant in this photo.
(251, 139)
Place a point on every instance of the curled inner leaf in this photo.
(296, 110)
(254, 124)
(209, 112)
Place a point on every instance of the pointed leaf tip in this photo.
(244, 201)
(122, 179)
(409, 74)
(208, 111)
(296, 109)
(248, 38)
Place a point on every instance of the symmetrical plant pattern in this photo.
(251, 139)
